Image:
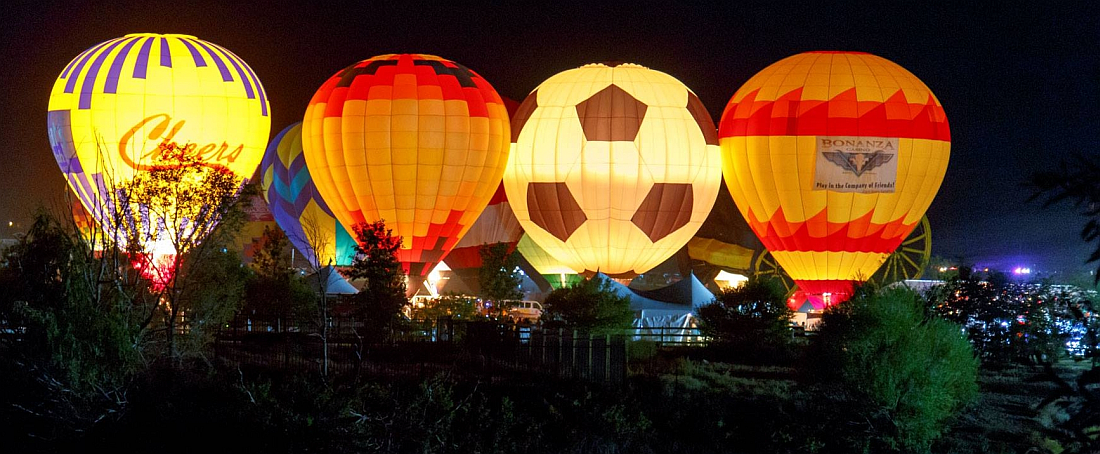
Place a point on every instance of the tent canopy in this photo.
(671, 306)
(335, 284)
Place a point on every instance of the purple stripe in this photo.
(83, 188)
(143, 59)
(297, 164)
(240, 72)
(165, 53)
(255, 81)
(303, 200)
(116, 67)
(104, 210)
(65, 73)
(71, 84)
(195, 55)
(226, 76)
(93, 73)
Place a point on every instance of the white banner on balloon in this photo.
(863, 165)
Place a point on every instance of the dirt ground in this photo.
(1006, 417)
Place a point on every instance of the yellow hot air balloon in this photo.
(557, 274)
(832, 158)
(117, 106)
(417, 141)
(613, 168)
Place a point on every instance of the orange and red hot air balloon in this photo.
(415, 140)
(833, 158)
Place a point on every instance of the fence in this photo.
(669, 336)
(492, 351)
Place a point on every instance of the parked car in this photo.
(525, 310)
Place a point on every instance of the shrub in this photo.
(447, 305)
(896, 368)
(751, 321)
(641, 350)
(589, 305)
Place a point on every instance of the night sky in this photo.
(1021, 85)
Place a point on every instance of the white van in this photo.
(525, 310)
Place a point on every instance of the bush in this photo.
(589, 305)
(894, 367)
(641, 350)
(447, 305)
(751, 321)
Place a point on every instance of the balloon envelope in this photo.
(297, 206)
(116, 105)
(417, 141)
(832, 158)
(613, 168)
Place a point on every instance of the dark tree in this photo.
(198, 206)
(590, 305)
(381, 302)
(1077, 182)
(74, 329)
(497, 277)
(274, 289)
(460, 307)
(270, 258)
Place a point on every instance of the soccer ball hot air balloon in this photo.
(415, 140)
(297, 206)
(832, 158)
(119, 105)
(613, 168)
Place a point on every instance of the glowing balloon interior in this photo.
(613, 168)
(117, 104)
(832, 158)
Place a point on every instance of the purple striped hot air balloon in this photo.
(298, 207)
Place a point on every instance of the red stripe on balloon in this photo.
(843, 115)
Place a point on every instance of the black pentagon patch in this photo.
(665, 209)
(464, 75)
(553, 208)
(351, 72)
(523, 112)
(611, 115)
(702, 118)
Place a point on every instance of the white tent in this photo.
(334, 283)
(668, 307)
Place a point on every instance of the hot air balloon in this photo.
(120, 104)
(297, 206)
(613, 168)
(832, 158)
(417, 141)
